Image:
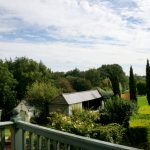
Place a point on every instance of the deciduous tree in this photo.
(41, 94)
(7, 91)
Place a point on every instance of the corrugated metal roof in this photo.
(72, 98)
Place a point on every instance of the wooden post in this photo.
(19, 139)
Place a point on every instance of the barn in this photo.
(66, 102)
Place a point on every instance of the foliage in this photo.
(41, 94)
(117, 111)
(27, 71)
(132, 86)
(7, 91)
(84, 116)
(105, 84)
(111, 71)
(113, 133)
(93, 75)
(115, 85)
(80, 84)
(80, 125)
(148, 81)
(106, 94)
(141, 88)
(115, 74)
(64, 85)
(74, 73)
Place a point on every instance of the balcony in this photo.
(27, 136)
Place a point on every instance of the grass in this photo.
(145, 110)
(142, 101)
(142, 118)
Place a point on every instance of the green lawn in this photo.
(142, 118)
(142, 101)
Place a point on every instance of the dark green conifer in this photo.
(148, 81)
(132, 86)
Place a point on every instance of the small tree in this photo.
(41, 94)
(148, 81)
(117, 111)
(132, 86)
(115, 85)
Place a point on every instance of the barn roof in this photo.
(77, 97)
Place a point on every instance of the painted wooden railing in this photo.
(27, 136)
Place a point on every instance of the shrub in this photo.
(85, 116)
(114, 133)
(117, 111)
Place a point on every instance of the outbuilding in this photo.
(66, 102)
(26, 111)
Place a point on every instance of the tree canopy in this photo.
(7, 91)
(27, 71)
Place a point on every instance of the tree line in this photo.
(23, 78)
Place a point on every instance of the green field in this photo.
(142, 118)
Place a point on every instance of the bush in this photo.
(114, 133)
(85, 116)
(117, 111)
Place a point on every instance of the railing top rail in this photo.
(6, 123)
(68, 138)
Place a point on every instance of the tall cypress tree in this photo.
(115, 85)
(132, 86)
(148, 81)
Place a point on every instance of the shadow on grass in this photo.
(138, 137)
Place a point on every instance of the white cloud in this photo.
(72, 18)
(63, 56)
(79, 19)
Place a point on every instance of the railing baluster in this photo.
(24, 139)
(47, 144)
(3, 147)
(58, 145)
(19, 139)
(12, 138)
(39, 142)
(67, 147)
(54, 145)
(31, 141)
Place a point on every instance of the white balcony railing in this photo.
(27, 136)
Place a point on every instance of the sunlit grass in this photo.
(144, 110)
(142, 118)
(140, 123)
(142, 101)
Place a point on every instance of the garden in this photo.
(141, 122)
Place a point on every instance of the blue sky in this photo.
(68, 34)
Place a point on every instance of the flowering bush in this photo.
(85, 124)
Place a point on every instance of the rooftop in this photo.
(78, 97)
